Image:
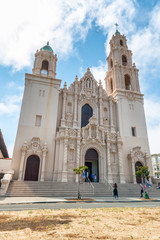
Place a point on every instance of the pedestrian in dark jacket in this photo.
(141, 190)
(115, 191)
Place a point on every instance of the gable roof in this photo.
(3, 146)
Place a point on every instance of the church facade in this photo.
(83, 124)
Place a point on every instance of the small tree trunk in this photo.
(78, 197)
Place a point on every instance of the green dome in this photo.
(117, 32)
(47, 47)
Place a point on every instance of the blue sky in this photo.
(79, 32)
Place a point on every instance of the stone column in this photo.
(56, 168)
(64, 106)
(100, 104)
(75, 104)
(44, 154)
(133, 170)
(97, 131)
(121, 170)
(103, 136)
(78, 152)
(23, 149)
(110, 113)
(64, 173)
(89, 131)
(110, 180)
(101, 111)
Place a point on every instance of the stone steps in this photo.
(56, 189)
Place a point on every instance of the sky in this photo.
(79, 32)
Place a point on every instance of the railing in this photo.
(108, 185)
(90, 184)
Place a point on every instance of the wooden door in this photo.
(138, 164)
(32, 168)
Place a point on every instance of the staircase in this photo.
(57, 189)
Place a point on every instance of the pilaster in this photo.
(64, 106)
(64, 173)
(78, 152)
(44, 153)
(110, 179)
(121, 169)
(23, 150)
(75, 104)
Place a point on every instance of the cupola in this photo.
(45, 62)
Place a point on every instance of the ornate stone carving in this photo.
(72, 133)
(93, 120)
(113, 137)
(130, 96)
(113, 148)
(69, 116)
(35, 145)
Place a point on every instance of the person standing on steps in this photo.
(115, 191)
(95, 178)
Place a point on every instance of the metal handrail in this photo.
(90, 183)
(108, 184)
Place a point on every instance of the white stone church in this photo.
(83, 124)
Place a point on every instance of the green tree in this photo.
(143, 173)
(79, 171)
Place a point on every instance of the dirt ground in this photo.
(108, 223)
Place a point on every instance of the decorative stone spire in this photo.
(76, 78)
(65, 85)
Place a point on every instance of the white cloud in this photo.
(145, 43)
(10, 105)
(99, 72)
(28, 25)
(153, 134)
(152, 106)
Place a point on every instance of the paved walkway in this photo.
(17, 200)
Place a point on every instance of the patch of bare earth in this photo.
(108, 223)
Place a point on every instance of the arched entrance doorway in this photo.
(91, 161)
(138, 164)
(32, 168)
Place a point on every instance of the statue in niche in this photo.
(88, 83)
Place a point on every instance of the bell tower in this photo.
(122, 73)
(38, 119)
(122, 83)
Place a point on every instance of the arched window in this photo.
(127, 82)
(44, 68)
(121, 42)
(124, 60)
(69, 107)
(111, 62)
(86, 113)
(111, 85)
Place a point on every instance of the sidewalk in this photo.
(20, 200)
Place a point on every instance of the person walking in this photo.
(115, 191)
(141, 190)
